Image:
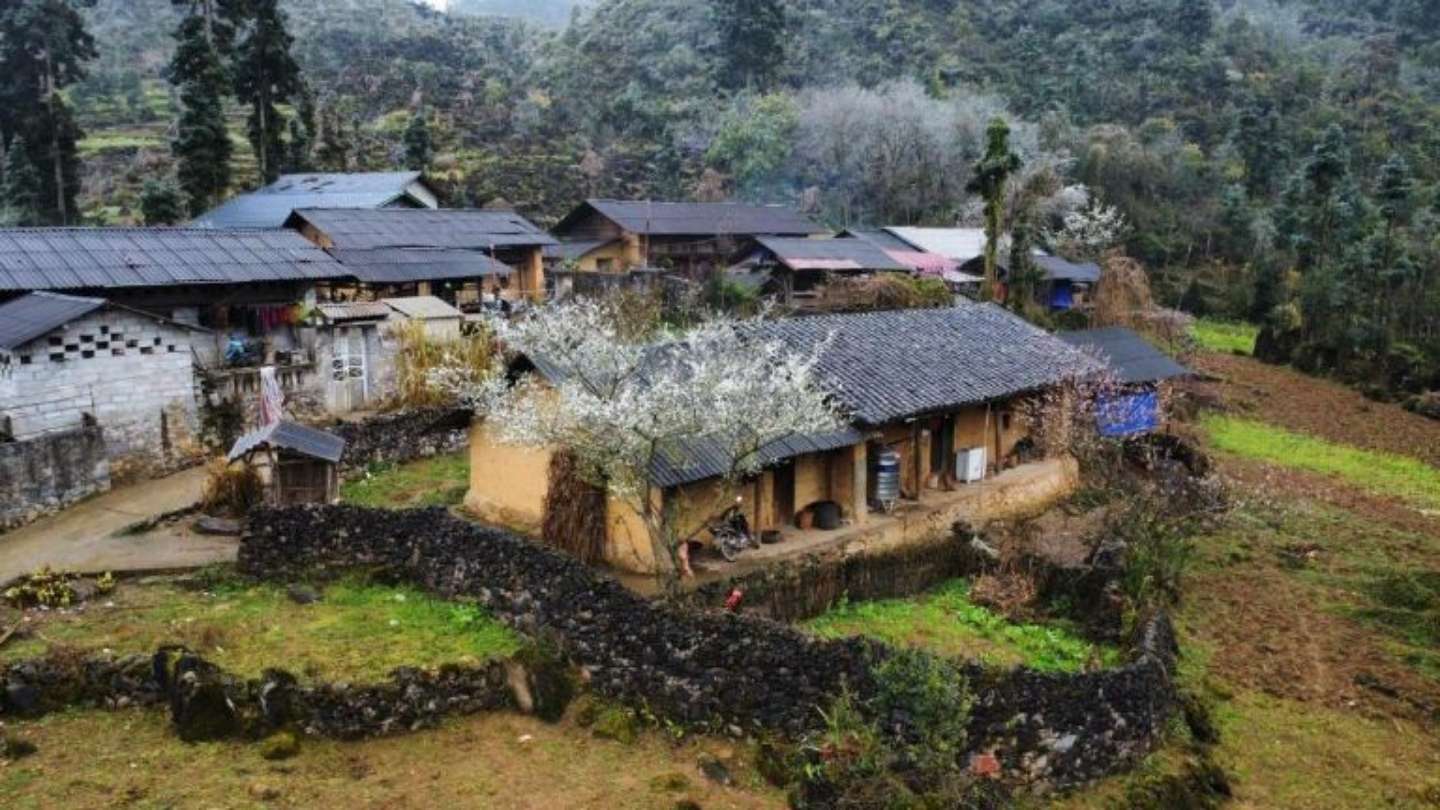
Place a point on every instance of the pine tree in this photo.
(44, 46)
(418, 147)
(265, 75)
(992, 173)
(303, 132)
(202, 141)
(21, 189)
(160, 203)
(332, 152)
(752, 42)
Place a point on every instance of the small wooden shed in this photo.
(297, 464)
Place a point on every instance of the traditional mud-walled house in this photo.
(1062, 284)
(270, 206)
(68, 363)
(940, 398)
(689, 238)
(1141, 378)
(464, 256)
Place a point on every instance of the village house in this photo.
(1140, 380)
(70, 362)
(1063, 284)
(464, 256)
(942, 406)
(611, 236)
(270, 206)
(801, 273)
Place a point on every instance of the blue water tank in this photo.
(887, 478)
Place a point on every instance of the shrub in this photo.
(471, 356)
(925, 701)
(232, 489)
(53, 589)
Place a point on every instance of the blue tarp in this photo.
(1061, 296)
(1127, 414)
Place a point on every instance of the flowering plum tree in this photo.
(621, 402)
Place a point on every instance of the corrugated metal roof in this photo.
(700, 459)
(572, 251)
(410, 265)
(882, 239)
(103, 258)
(423, 307)
(697, 219)
(354, 311)
(883, 367)
(960, 244)
(829, 254)
(270, 206)
(1058, 269)
(467, 228)
(292, 436)
(37, 314)
(1131, 357)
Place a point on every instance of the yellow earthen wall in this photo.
(507, 483)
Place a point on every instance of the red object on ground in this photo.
(986, 765)
(733, 600)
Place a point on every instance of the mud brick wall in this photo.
(46, 474)
(717, 669)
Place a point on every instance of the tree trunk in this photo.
(58, 164)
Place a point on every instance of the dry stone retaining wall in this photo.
(719, 670)
(396, 438)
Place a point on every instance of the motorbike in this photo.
(731, 532)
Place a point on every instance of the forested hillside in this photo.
(1272, 160)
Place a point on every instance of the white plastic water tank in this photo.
(970, 465)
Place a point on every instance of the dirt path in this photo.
(86, 537)
(1305, 404)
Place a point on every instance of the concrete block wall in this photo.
(133, 374)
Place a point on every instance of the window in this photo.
(605, 265)
(1005, 419)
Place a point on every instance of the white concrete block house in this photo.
(70, 361)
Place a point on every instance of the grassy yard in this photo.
(947, 622)
(1227, 337)
(1377, 472)
(356, 632)
(439, 481)
(500, 760)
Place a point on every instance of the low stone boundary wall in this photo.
(713, 669)
(396, 438)
(45, 474)
(207, 703)
(807, 587)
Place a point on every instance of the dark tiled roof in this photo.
(31, 316)
(829, 254)
(705, 458)
(107, 258)
(270, 206)
(468, 228)
(292, 436)
(406, 266)
(1127, 354)
(338, 312)
(1058, 269)
(698, 219)
(887, 366)
(575, 250)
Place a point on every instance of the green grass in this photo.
(1225, 336)
(1380, 473)
(356, 632)
(439, 481)
(945, 621)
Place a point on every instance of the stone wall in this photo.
(396, 438)
(716, 669)
(207, 703)
(48, 473)
(807, 587)
(131, 373)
